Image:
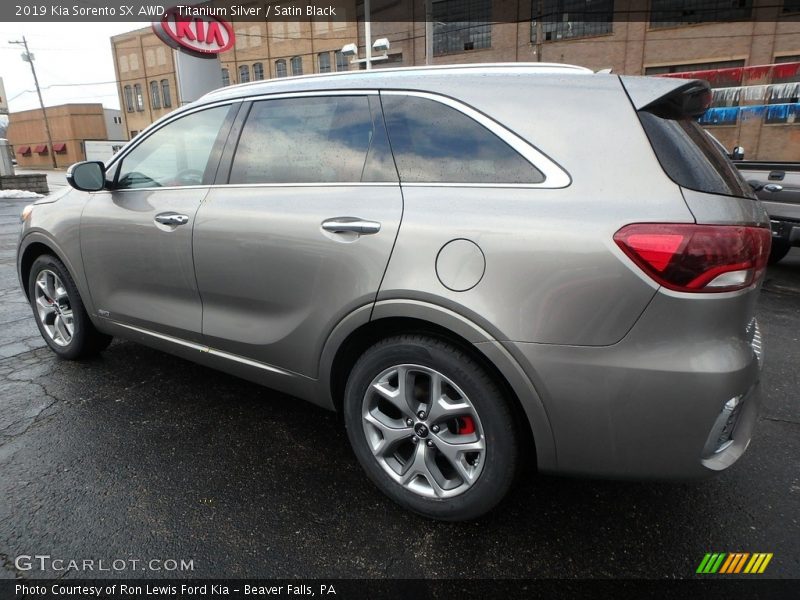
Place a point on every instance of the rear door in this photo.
(300, 230)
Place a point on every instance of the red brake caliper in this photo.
(465, 425)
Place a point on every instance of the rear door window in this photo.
(435, 143)
(325, 139)
(691, 158)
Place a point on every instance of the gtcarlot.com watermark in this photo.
(45, 562)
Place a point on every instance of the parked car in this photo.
(777, 184)
(477, 265)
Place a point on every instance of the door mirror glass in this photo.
(89, 176)
(738, 153)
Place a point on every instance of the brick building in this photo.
(70, 126)
(633, 37)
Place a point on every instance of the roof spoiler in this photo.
(668, 97)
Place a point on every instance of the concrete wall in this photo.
(31, 183)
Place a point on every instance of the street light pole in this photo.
(368, 33)
(29, 58)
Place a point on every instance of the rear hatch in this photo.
(726, 249)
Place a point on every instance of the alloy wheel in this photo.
(54, 308)
(424, 431)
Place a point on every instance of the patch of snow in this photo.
(13, 194)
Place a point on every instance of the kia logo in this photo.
(203, 36)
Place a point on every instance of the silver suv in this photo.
(475, 265)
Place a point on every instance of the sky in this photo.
(77, 54)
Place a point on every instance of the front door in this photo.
(136, 239)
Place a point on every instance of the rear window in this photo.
(691, 158)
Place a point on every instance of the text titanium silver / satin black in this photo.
(475, 264)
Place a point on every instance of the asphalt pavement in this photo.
(138, 455)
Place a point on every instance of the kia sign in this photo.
(201, 36)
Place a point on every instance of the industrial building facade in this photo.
(632, 37)
(71, 125)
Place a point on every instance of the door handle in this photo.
(172, 219)
(351, 224)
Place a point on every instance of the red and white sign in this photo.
(203, 36)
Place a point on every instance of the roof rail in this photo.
(535, 66)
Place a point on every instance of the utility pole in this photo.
(28, 57)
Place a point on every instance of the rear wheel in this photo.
(59, 311)
(431, 428)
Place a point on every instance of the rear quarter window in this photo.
(435, 143)
(691, 158)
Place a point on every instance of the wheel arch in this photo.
(350, 340)
(33, 246)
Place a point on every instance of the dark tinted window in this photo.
(690, 157)
(434, 143)
(311, 140)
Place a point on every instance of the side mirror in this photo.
(738, 153)
(88, 176)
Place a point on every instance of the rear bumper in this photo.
(651, 406)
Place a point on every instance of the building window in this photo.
(461, 25)
(258, 71)
(788, 59)
(244, 74)
(567, 19)
(226, 77)
(721, 79)
(324, 62)
(280, 68)
(128, 98)
(297, 65)
(165, 96)
(790, 6)
(255, 36)
(138, 98)
(668, 13)
(341, 61)
(155, 97)
(241, 38)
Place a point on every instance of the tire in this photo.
(780, 248)
(59, 311)
(432, 476)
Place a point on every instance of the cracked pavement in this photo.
(140, 455)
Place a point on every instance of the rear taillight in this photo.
(697, 258)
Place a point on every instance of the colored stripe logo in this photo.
(728, 563)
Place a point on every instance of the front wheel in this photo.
(59, 311)
(432, 430)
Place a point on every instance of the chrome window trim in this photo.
(228, 186)
(208, 350)
(554, 176)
